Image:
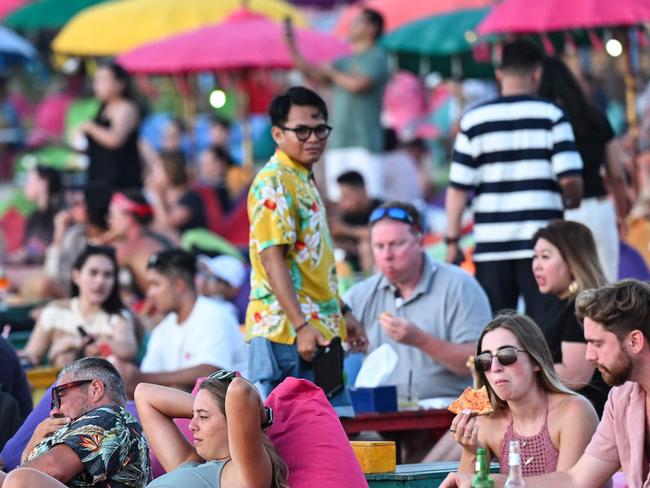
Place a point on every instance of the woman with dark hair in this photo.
(93, 322)
(565, 262)
(531, 404)
(113, 133)
(599, 150)
(214, 165)
(43, 187)
(230, 448)
(83, 220)
(176, 207)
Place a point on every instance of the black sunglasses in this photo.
(57, 390)
(505, 356)
(227, 377)
(304, 132)
(172, 259)
(393, 213)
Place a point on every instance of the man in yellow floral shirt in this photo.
(294, 305)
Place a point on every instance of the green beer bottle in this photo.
(482, 478)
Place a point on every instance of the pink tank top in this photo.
(538, 454)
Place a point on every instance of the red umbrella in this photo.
(524, 16)
(399, 12)
(8, 6)
(244, 40)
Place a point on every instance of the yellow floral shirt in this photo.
(284, 208)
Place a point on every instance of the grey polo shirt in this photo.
(448, 303)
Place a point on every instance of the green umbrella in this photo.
(46, 14)
(440, 43)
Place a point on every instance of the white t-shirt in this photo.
(210, 335)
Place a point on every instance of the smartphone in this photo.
(88, 339)
(328, 367)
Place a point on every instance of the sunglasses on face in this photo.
(505, 356)
(57, 390)
(393, 213)
(304, 132)
(227, 377)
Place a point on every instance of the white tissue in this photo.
(377, 367)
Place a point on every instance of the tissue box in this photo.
(374, 400)
(375, 456)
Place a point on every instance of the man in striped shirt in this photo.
(517, 155)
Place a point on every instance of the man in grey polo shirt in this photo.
(435, 311)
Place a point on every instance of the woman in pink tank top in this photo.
(530, 403)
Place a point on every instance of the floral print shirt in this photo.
(285, 209)
(110, 443)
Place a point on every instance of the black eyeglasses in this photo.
(227, 377)
(304, 132)
(505, 356)
(57, 390)
(394, 213)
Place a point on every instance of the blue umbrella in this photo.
(14, 48)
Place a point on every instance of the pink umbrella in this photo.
(8, 6)
(396, 13)
(244, 40)
(524, 16)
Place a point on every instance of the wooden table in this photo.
(395, 425)
(438, 420)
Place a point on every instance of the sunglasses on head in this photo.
(57, 390)
(227, 377)
(505, 356)
(393, 213)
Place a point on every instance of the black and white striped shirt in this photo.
(511, 152)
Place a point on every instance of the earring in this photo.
(573, 287)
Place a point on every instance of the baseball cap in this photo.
(226, 268)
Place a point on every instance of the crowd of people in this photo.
(134, 316)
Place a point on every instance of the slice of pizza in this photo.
(475, 400)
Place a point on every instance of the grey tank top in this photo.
(192, 475)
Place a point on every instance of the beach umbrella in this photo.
(442, 43)
(14, 48)
(117, 26)
(259, 40)
(46, 14)
(260, 44)
(399, 12)
(524, 16)
(8, 6)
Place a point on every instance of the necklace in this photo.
(528, 457)
(541, 414)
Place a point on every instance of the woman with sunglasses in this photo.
(565, 262)
(229, 448)
(531, 404)
(91, 323)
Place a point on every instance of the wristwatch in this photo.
(452, 240)
(345, 308)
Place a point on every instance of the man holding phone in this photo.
(358, 83)
(294, 305)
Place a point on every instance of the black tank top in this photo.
(119, 167)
